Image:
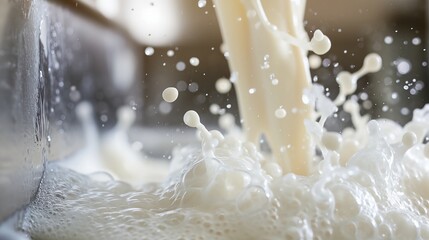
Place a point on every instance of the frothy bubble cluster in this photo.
(230, 190)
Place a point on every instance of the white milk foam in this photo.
(229, 190)
(370, 182)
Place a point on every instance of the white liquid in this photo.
(170, 94)
(368, 183)
(223, 85)
(255, 53)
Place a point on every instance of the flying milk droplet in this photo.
(191, 118)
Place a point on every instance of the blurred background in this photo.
(396, 29)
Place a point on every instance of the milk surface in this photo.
(229, 190)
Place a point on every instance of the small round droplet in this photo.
(314, 61)
(416, 41)
(191, 118)
(388, 40)
(149, 51)
(193, 87)
(170, 94)
(214, 109)
(223, 85)
(280, 113)
(194, 61)
(165, 107)
(170, 53)
(202, 3)
(180, 66)
(403, 66)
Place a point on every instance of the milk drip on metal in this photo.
(369, 182)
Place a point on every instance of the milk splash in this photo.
(369, 182)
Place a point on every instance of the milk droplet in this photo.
(165, 107)
(170, 94)
(280, 113)
(320, 44)
(170, 53)
(416, 41)
(405, 111)
(314, 61)
(194, 61)
(202, 3)
(191, 118)
(214, 109)
(403, 66)
(372, 63)
(149, 51)
(388, 40)
(223, 85)
(193, 87)
(180, 66)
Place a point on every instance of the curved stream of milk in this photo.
(370, 182)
